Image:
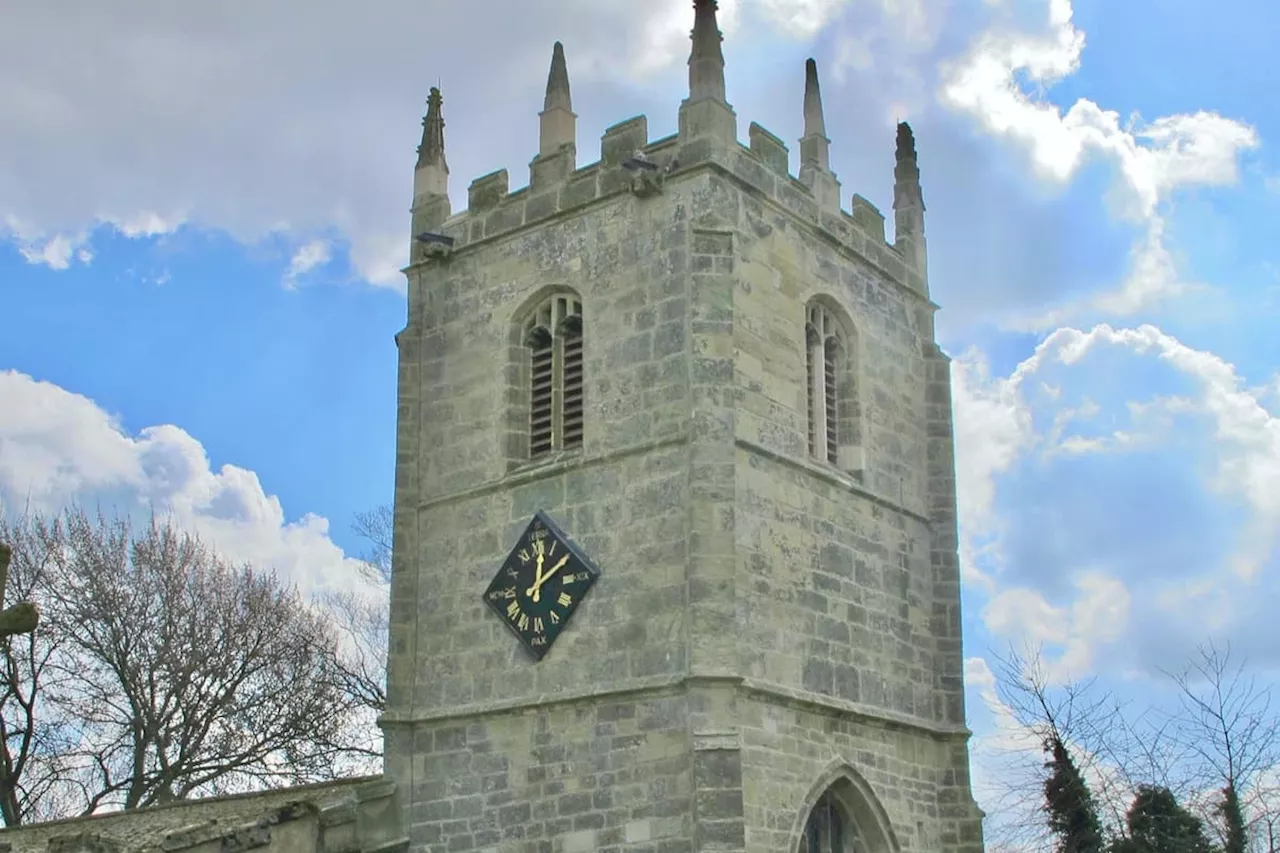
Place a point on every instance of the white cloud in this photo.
(57, 447)
(1153, 160)
(992, 430)
(305, 259)
(1071, 636)
(302, 121)
(1004, 425)
(803, 19)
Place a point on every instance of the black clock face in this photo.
(540, 585)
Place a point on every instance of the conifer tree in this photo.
(1232, 817)
(1073, 815)
(1158, 823)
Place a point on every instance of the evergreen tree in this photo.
(1073, 816)
(1232, 817)
(1159, 824)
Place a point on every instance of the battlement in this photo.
(630, 163)
(494, 210)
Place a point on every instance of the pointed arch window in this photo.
(553, 337)
(829, 386)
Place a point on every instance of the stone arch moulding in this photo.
(543, 379)
(861, 807)
(834, 404)
(516, 319)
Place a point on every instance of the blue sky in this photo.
(203, 217)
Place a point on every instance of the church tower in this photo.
(675, 557)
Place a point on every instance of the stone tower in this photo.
(726, 390)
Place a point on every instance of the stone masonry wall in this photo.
(787, 748)
(568, 777)
(356, 815)
(622, 497)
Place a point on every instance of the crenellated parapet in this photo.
(629, 163)
(494, 211)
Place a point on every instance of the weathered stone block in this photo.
(487, 191)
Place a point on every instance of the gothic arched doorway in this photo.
(843, 816)
(827, 828)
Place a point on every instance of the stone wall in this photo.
(565, 776)
(357, 815)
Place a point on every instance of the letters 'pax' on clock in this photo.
(540, 585)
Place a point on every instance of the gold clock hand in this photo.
(533, 591)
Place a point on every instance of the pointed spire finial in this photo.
(815, 148)
(557, 81)
(557, 125)
(814, 124)
(706, 60)
(906, 142)
(431, 151)
(908, 204)
(906, 173)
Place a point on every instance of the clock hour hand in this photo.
(534, 591)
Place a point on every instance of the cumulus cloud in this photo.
(1111, 460)
(305, 259)
(298, 121)
(57, 447)
(1152, 159)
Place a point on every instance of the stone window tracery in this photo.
(831, 389)
(553, 337)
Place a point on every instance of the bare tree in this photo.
(1212, 752)
(32, 737)
(184, 675)
(376, 527)
(361, 615)
(1226, 724)
(1070, 719)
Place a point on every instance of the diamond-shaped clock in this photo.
(540, 585)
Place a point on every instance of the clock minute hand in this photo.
(534, 591)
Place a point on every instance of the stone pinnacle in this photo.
(706, 61)
(906, 171)
(906, 142)
(813, 120)
(431, 151)
(557, 81)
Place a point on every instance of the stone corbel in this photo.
(434, 246)
(647, 177)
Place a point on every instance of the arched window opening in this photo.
(553, 338)
(826, 366)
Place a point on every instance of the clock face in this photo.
(540, 585)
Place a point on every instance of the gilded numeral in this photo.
(555, 618)
(553, 548)
(574, 577)
(537, 624)
(523, 622)
(513, 609)
(500, 594)
(564, 600)
(525, 556)
(538, 641)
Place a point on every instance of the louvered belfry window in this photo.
(553, 335)
(825, 356)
